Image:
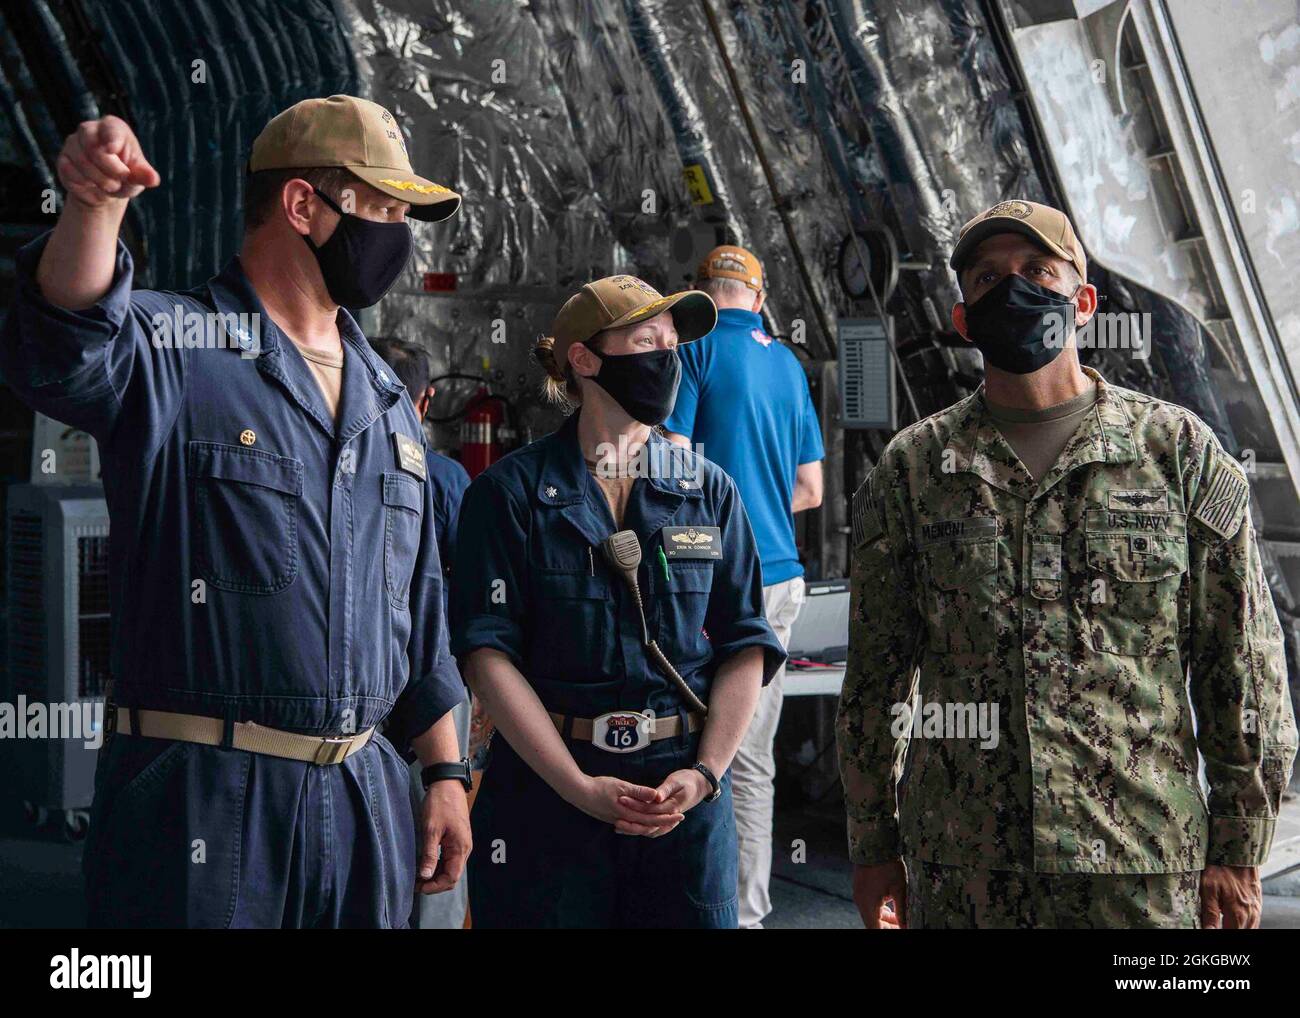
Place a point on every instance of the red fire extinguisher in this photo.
(481, 439)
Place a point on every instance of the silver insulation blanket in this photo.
(567, 124)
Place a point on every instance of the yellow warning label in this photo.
(697, 184)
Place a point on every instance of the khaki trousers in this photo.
(754, 769)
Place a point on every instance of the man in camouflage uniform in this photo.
(1071, 605)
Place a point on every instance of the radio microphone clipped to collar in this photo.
(622, 551)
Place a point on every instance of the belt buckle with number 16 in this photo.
(622, 731)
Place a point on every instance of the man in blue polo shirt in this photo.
(744, 404)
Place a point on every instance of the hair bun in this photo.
(544, 353)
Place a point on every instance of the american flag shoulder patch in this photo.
(1222, 504)
(866, 525)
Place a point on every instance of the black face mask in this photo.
(1011, 322)
(362, 259)
(643, 384)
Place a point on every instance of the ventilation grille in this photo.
(92, 615)
(27, 611)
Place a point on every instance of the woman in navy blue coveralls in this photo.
(606, 802)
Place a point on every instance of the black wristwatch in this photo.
(458, 771)
(713, 782)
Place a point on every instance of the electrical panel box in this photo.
(868, 398)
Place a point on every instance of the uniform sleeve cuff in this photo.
(872, 842)
(111, 308)
(490, 631)
(753, 632)
(421, 706)
(65, 338)
(1239, 841)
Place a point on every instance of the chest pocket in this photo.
(959, 584)
(245, 517)
(571, 630)
(403, 507)
(1136, 564)
(679, 605)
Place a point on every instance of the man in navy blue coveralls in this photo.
(273, 562)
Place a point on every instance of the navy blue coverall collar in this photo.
(566, 485)
(369, 390)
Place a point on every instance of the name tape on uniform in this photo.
(410, 455)
(956, 530)
(692, 542)
(1113, 521)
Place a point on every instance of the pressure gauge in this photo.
(876, 245)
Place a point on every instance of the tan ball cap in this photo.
(731, 262)
(1042, 224)
(357, 135)
(616, 301)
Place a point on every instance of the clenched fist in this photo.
(101, 162)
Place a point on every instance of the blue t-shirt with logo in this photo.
(744, 404)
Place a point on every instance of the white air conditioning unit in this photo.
(57, 649)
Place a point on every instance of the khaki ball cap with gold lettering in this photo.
(1047, 227)
(615, 301)
(359, 136)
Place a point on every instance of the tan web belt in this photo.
(248, 735)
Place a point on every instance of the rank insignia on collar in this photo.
(410, 455)
(552, 491)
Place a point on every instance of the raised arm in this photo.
(75, 345)
(102, 168)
